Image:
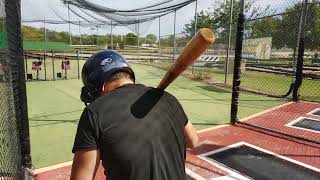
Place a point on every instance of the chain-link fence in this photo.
(15, 160)
(310, 87)
(276, 62)
(47, 47)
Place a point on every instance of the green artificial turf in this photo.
(55, 108)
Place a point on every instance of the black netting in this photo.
(15, 161)
(309, 89)
(279, 63)
(97, 13)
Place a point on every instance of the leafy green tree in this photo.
(284, 29)
(151, 39)
(167, 41)
(217, 19)
(267, 27)
(204, 20)
(313, 27)
(131, 39)
(32, 34)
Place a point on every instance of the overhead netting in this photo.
(104, 14)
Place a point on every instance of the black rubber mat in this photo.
(308, 124)
(259, 165)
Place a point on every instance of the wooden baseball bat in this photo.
(196, 46)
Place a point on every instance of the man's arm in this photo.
(85, 164)
(191, 136)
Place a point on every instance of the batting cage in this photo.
(278, 49)
(264, 63)
(15, 159)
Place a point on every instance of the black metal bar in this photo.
(237, 63)
(15, 52)
(299, 67)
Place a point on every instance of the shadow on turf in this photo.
(52, 122)
(214, 89)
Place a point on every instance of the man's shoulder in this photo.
(120, 92)
(139, 90)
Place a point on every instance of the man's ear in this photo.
(103, 89)
(89, 94)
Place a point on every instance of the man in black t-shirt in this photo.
(139, 133)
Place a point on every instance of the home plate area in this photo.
(238, 152)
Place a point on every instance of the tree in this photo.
(313, 27)
(32, 34)
(203, 21)
(131, 39)
(167, 41)
(151, 39)
(217, 18)
(267, 27)
(284, 29)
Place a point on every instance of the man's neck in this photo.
(109, 86)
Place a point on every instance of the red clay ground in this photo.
(279, 118)
(307, 154)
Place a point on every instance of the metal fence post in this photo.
(45, 31)
(111, 35)
(70, 37)
(45, 51)
(174, 34)
(53, 73)
(78, 58)
(97, 38)
(195, 25)
(45, 65)
(159, 41)
(138, 42)
(229, 42)
(237, 63)
(299, 66)
(80, 39)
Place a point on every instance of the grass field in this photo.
(55, 107)
(267, 83)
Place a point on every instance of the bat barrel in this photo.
(196, 46)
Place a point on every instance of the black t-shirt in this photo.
(139, 132)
